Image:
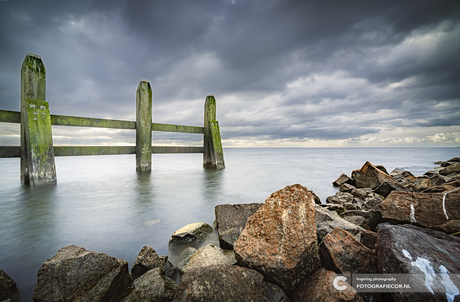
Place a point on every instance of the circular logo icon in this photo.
(336, 284)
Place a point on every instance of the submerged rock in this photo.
(191, 234)
(280, 239)
(231, 219)
(226, 283)
(77, 274)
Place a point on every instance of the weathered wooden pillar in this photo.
(213, 154)
(144, 127)
(37, 152)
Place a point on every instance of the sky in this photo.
(284, 73)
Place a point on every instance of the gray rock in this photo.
(455, 168)
(340, 198)
(422, 253)
(8, 289)
(372, 217)
(230, 221)
(357, 220)
(206, 256)
(77, 274)
(226, 283)
(343, 179)
(327, 220)
(368, 239)
(347, 188)
(386, 187)
(149, 259)
(152, 286)
(362, 193)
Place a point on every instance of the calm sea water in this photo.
(103, 204)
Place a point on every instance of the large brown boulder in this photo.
(279, 240)
(342, 253)
(8, 289)
(371, 177)
(320, 287)
(226, 283)
(77, 274)
(424, 254)
(436, 210)
(230, 221)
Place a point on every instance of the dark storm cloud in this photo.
(285, 69)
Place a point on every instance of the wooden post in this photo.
(144, 127)
(37, 153)
(213, 154)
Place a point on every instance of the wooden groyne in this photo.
(37, 151)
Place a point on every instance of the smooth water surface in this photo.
(103, 204)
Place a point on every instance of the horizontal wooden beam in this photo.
(10, 116)
(176, 149)
(15, 151)
(10, 151)
(93, 150)
(63, 120)
(177, 128)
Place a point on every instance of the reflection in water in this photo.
(212, 184)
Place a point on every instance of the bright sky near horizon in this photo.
(284, 73)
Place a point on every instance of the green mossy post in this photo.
(213, 154)
(37, 152)
(144, 127)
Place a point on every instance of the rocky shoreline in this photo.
(290, 248)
